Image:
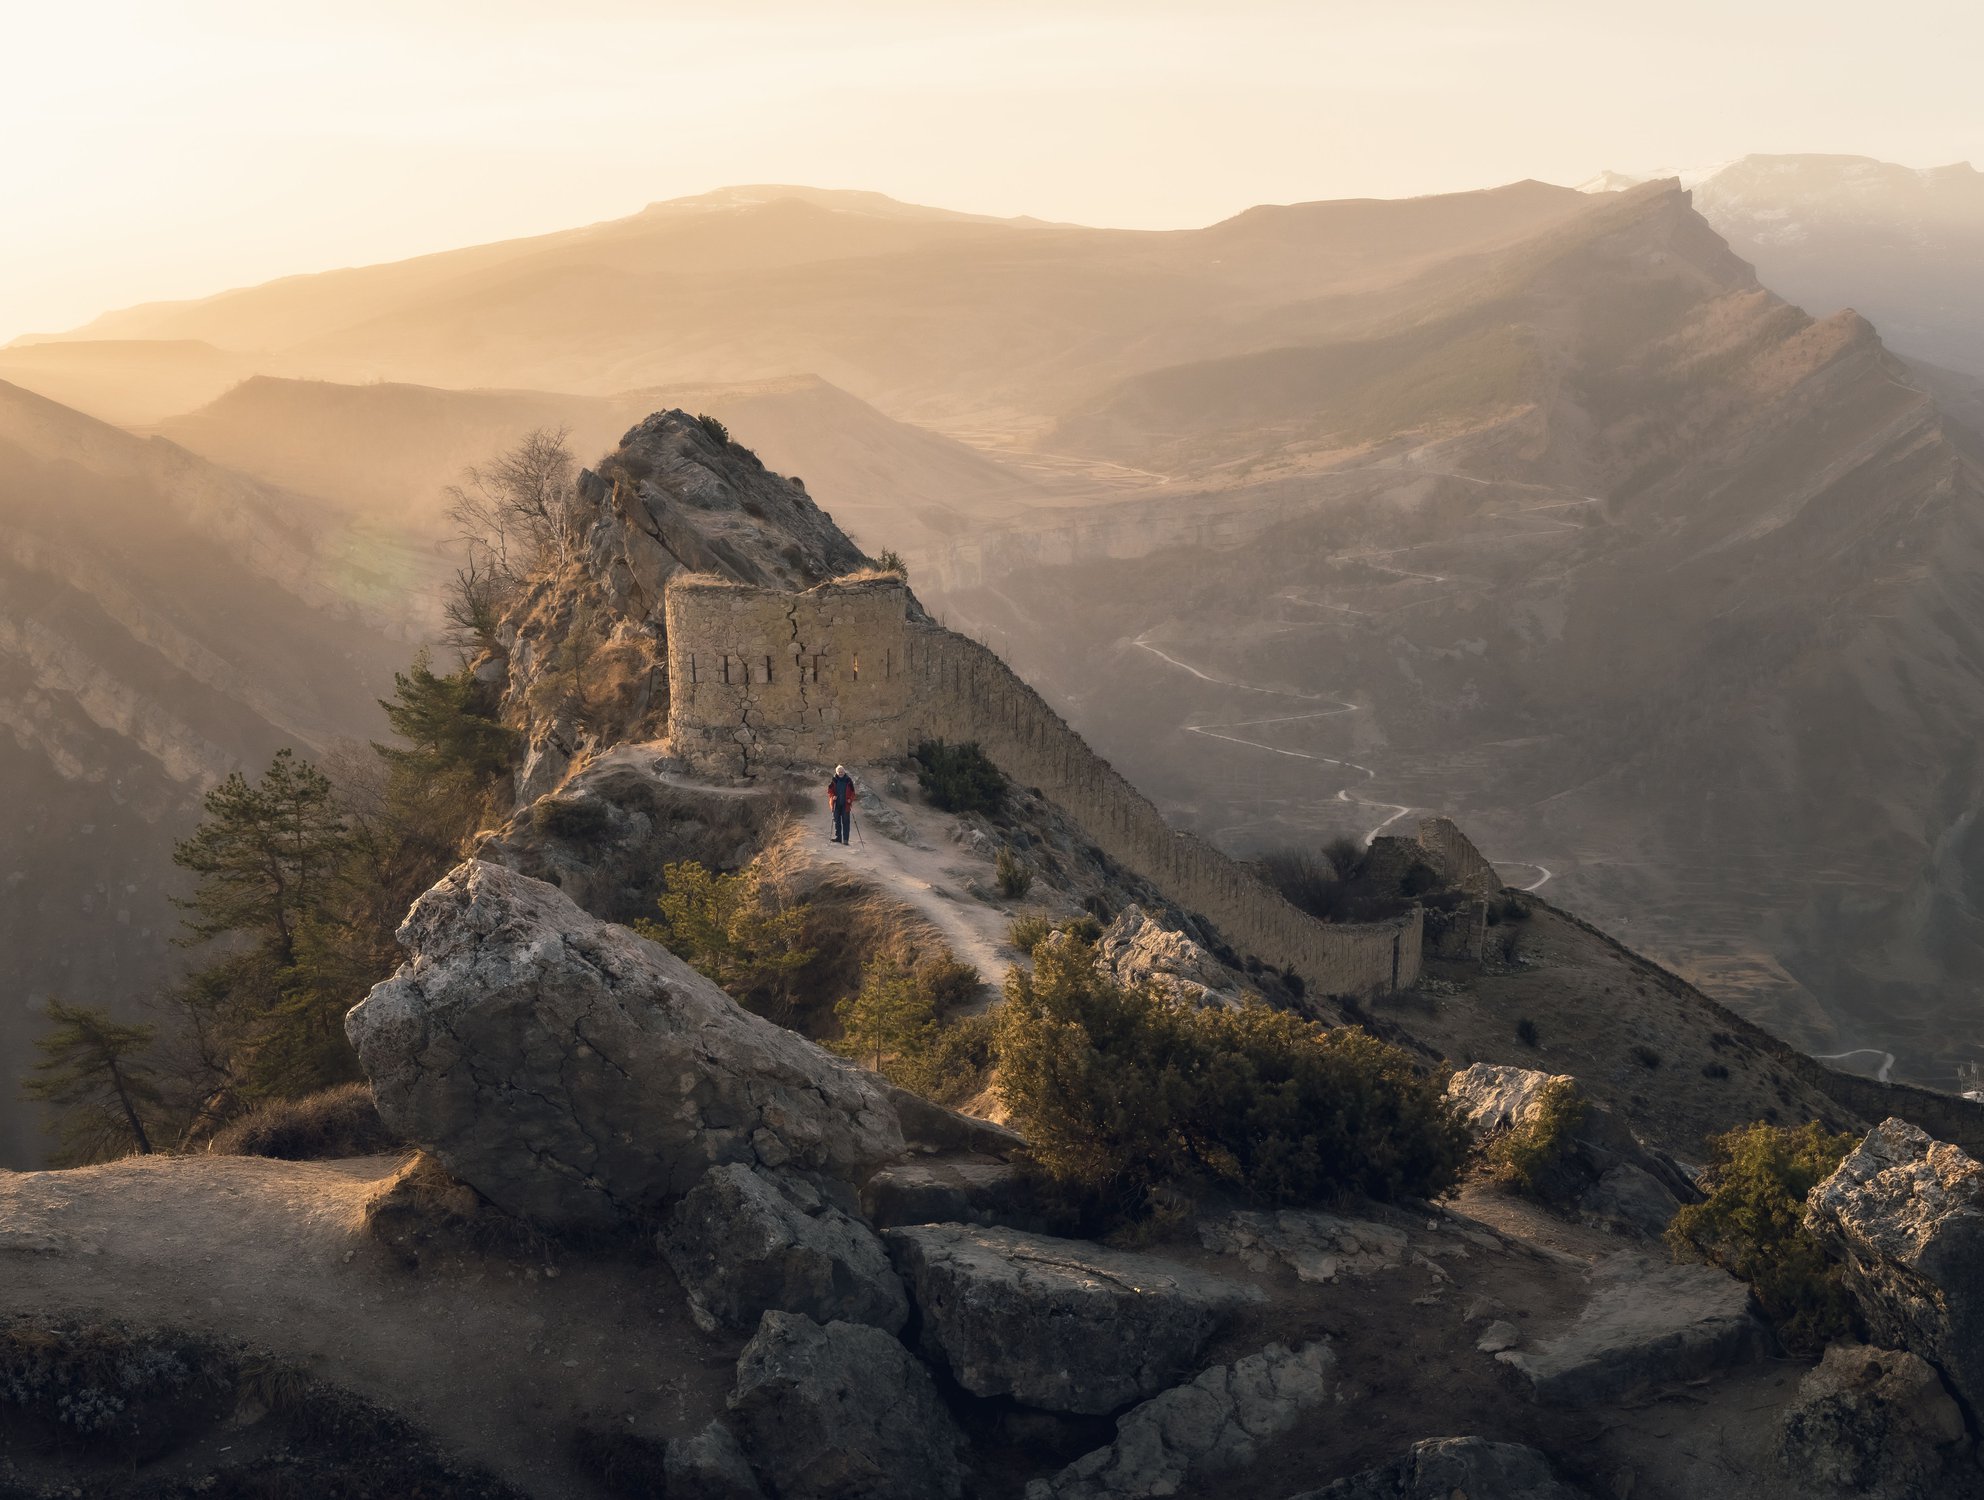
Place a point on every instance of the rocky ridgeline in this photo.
(872, 1254)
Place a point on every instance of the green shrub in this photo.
(717, 431)
(1526, 1155)
(1124, 1091)
(1645, 1056)
(1753, 1226)
(733, 929)
(959, 778)
(1527, 1034)
(954, 1062)
(1028, 933)
(328, 1125)
(1014, 878)
(891, 562)
(900, 1022)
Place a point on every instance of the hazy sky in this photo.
(171, 148)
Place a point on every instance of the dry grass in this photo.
(328, 1125)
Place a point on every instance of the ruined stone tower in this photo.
(760, 678)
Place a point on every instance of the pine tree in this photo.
(94, 1077)
(266, 857)
(890, 1017)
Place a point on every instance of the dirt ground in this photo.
(1638, 1040)
(499, 1360)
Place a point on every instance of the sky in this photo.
(173, 148)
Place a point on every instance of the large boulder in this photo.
(580, 1075)
(1441, 1468)
(1063, 1325)
(1646, 1324)
(744, 1241)
(1195, 1432)
(1905, 1215)
(1598, 1169)
(843, 1412)
(1876, 1424)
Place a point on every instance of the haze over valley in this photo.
(1533, 505)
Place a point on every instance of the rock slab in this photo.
(1905, 1215)
(1214, 1425)
(745, 1241)
(1441, 1468)
(1064, 1325)
(843, 1412)
(578, 1075)
(1647, 1324)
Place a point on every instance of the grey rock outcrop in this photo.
(745, 1241)
(1441, 1468)
(1876, 1424)
(709, 1466)
(843, 1412)
(1600, 1171)
(576, 1074)
(1647, 1324)
(1059, 1324)
(1214, 1425)
(1905, 1215)
(1137, 950)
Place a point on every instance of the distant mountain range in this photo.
(1902, 246)
(1536, 505)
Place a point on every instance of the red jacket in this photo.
(841, 792)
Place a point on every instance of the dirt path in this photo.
(907, 851)
(499, 1360)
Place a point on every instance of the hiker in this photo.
(841, 794)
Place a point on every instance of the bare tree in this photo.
(516, 515)
(519, 512)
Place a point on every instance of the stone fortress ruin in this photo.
(762, 681)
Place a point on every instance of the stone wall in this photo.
(1454, 858)
(961, 691)
(759, 677)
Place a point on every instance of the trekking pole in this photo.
(859, 838)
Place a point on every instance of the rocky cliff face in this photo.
(584, 659)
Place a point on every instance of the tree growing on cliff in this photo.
(518, 513)
(265, 857)
(97, 1082)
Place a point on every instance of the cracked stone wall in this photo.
(758, 677)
